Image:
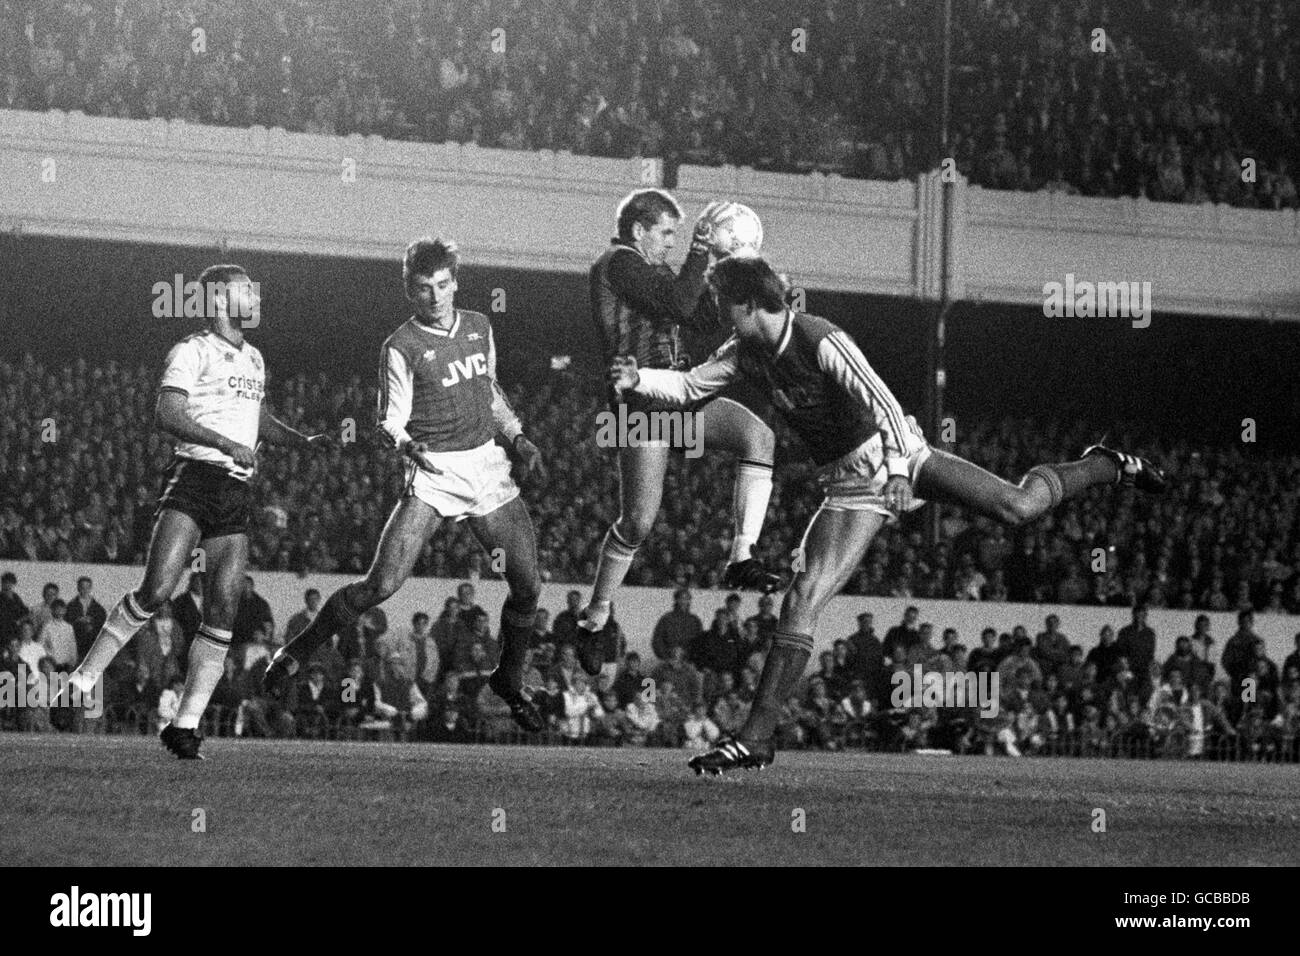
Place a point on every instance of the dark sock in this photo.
(1078, 476)
(781, 671)
(337, 614)
(516, 629)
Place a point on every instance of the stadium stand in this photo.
(1167, 105)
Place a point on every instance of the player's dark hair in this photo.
(749, 280)
(220, 276)
(225, 273)
(426, 255)
(644, 206)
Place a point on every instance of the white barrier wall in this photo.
(639, 608)
(66, 174)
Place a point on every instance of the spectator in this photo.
(299, 622)
(678, 628)
(565, 629)
(252, 618)
(85, 614)
(158, 646)
(682, 674)
(1137, 641)
(1052, 648)
(1238, 652)
(169, 701)
(59, 640)
(699, 730)
(903, 637)
(1106, 654)
(580, 704)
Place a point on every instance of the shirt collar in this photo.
(445, 333)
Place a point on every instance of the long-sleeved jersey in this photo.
(818, 379)
(438, 386)
(637, 306)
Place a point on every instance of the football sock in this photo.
(122, 623)
(1051, 484)
(516, 627)
(207, 664)
(336, 614)
(615, 558)
(781, 671)
(749, 501)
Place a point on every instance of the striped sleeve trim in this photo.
(880, 395)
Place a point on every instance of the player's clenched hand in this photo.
(898, 494)
(529, 458)
(623, 374)
(419, 453)
(243, 456)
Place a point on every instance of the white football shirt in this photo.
(225, 386)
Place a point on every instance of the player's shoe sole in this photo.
(1134, 471)
(752, 575)
(182, 742)
(732, 754)
(525, 713)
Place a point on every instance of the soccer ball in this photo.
(737, 229)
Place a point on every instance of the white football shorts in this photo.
(855, 481)
(472, 483)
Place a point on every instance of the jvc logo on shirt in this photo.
(464, 369)
(103, 909)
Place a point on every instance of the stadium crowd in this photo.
(1167, 105)
(78, 484)
(428, 681)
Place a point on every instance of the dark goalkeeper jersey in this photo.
(637, 307)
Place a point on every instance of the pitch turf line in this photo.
(125, 801)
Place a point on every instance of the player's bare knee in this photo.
(1010, 508)
(375, 590)
(152, 596)
(634, 529)
(526, 592)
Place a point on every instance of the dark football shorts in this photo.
(219, 503)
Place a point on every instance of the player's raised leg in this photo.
(946, 477)
(728, 425)
(410, 525)
(226, 561)
(171, 548)
(509, 531)
(641, 471)
(832, 548)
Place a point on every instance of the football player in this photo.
(210, 401)
(440, 406)
(638, 305)
(873, 465)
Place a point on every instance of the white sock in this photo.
(207, 664)
(749, 500)
(615, 558)
(122, 623)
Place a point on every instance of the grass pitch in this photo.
(112, 801)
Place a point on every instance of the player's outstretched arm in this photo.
(171, 417)
(278, 433)
(678, 388)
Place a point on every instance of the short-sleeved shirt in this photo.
(224, 385)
